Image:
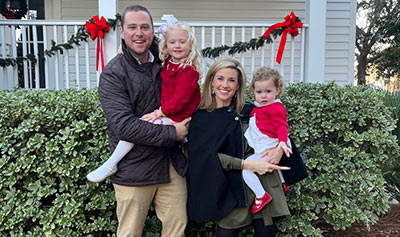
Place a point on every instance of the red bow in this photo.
(97, 30)
(9, 13)
(291, 27)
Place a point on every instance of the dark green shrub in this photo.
(50, 140)
(393, 101)
(345, 134)
(392, 171)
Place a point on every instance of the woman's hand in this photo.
(259, 166)
(274, 155)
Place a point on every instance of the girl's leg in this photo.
(120, 151)
(261, 230)
(110, 166)
(285, 186)
(252, 180)
(221, 232)
(164, 120)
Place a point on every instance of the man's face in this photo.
(137, 32)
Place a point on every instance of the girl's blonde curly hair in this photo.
(194, 57)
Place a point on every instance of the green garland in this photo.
(82, 35)
(240, 47)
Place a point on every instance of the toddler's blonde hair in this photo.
(266, 73)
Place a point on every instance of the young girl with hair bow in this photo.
(180, 91)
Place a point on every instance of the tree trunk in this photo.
(361, 69)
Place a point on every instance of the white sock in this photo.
(110, 166)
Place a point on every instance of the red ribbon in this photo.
(97, 30)
(291, 27)
(9, 13)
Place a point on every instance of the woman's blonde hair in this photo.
(194, 57)
(208, 97)
(266, 73)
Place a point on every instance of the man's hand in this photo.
(182, 129)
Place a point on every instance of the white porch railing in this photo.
(77, 67)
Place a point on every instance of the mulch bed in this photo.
(387, 226)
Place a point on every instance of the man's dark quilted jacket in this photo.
(127, 91)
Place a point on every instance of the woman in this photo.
(216, 149)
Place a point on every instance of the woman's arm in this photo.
(229, 162)
(234, 163)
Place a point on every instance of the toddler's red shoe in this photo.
(259, 203)
(285, 187)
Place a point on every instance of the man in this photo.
(152, 172)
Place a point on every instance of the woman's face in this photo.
(225, 84)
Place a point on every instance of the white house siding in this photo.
(192, 10)
(340, 23)
(206, 10)
(271, 11)
(222, 10)
(340, 41)
(70, 9)
(75, 10)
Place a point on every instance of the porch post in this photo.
(315, 44)
(108, 9)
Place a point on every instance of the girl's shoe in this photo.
(259, 203)
(100, 174)
(285, 187)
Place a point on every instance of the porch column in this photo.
(108, 9)
(315, 44)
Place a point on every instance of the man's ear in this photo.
(120, 31)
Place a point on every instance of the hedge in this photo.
(392, 171)
(345, 136)
(50, 140)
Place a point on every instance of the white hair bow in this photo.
(164, 27)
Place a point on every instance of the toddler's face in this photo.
(177, 45)
(265, 92)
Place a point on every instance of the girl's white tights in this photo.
(120, 151)
(251, 179)
(110, 166)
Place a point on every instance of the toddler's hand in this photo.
(273, 155)
(151, 117)
(285, 148)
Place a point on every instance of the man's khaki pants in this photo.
(169, 201)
